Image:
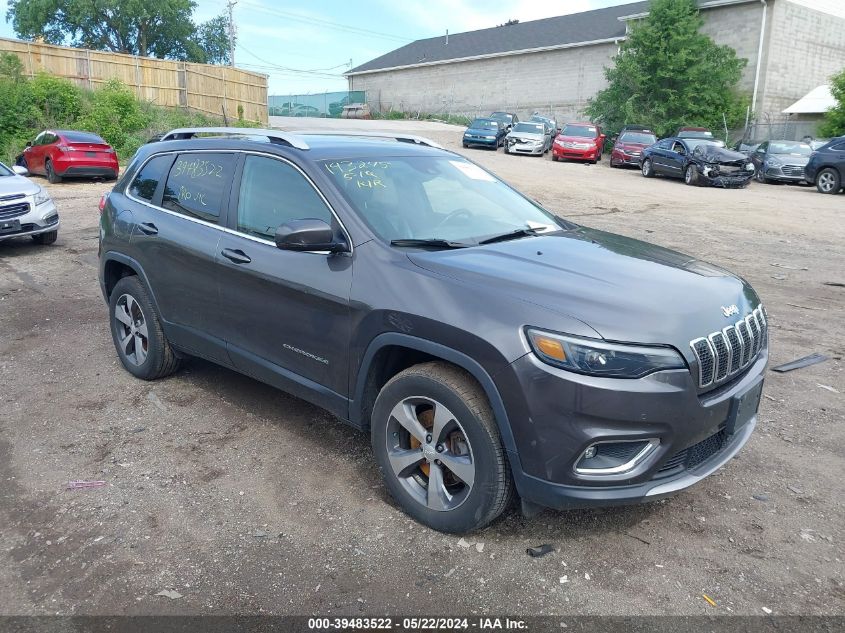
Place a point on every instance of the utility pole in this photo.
(231, 6)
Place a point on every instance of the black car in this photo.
(698, 161)
(487, 346)
(781, 161)
(508, 119)
(826, 167)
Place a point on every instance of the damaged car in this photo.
(698, 161)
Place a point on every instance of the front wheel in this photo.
(137, 333)
(828, 181)
(437, 445)
(691, 176)
(647, 168)
(45, 238)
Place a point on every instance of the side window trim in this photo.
(162, 182)
(232, 226)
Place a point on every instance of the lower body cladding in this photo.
(87, 171)
(43, 218)
(583, 441)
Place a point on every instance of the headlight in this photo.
(750, 167)
(597, 358)
(41, 197)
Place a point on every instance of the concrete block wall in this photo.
(737, 26)
(558, 81)
(806, 48)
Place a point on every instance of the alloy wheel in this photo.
(826, 182)
(430, 454)
(132, 331)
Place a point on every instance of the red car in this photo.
(628, 148)
(61, 153)
(579, 141)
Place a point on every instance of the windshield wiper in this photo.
(513, 235)
(430, 242)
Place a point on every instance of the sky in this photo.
(305, 46)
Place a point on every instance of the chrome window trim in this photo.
(628, 466)
(226, 229)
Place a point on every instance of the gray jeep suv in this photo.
(488, 347)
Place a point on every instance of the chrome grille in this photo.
(723, 354)
(14, 210)
(792, 170)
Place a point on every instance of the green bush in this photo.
(59, 100)
(114, 112)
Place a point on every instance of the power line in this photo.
(326, 23)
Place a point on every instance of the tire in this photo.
(828, 180)
(647, 168)
(465, 145)
(52, 176)
(759, 177)
(691, 176)
(141, 326)
(506, 149)
(45, 238)
(420, 395)
(554, 158)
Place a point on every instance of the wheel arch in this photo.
(391, 352)
(116, 266)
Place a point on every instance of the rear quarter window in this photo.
(197, 183)
(145, 183)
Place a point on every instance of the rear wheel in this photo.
(52, 176)
(828, 181)
(647, 168)
(45, 238)
(439, 450)
(137, 333)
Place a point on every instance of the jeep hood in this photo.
(625, 289)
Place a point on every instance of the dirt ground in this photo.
(244, 500)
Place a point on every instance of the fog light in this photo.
(615, 457)
(590, 453)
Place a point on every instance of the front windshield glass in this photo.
(799, 149)
(584, 131)
(638, 137)
(484, 124)
(693, 143)
(529, 128)
(5, 171)
(434, 197)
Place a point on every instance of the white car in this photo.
(528, 137)
(26, 208)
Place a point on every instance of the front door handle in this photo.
(236, 255)
(148, 228)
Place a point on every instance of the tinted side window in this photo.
(196, 184)
(664, 144)
(146, 181)
(272, 193)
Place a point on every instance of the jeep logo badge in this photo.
(730, 310)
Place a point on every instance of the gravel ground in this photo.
(245, 500)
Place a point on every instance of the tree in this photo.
(834, 120)
(156, 28)
(668, 74)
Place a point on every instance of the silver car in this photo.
(26, 208)
(528, 138)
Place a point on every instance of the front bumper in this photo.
(787, 173)
(620, 158)
(481, 142)
(574, 153)
(526, 148)
(555, 415)
(40, 219)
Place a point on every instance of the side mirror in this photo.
(20, 170)
(29, 144)
(308, 234)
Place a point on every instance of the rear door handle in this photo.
(236, 255)
(148, 228)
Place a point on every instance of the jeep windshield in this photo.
(437, 199)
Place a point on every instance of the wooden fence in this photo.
(203, 87)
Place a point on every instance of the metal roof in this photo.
(565, 31)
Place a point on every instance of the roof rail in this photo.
(402, 138)
(274, 136)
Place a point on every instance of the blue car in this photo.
(485, 132)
